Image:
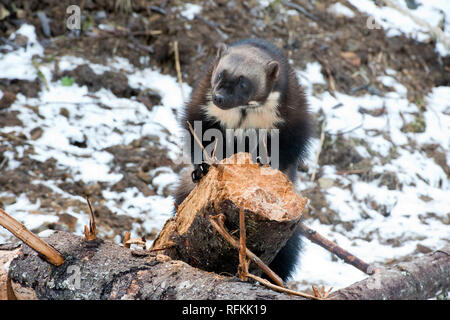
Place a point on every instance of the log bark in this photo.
(421, 278)
(104, 270)
(272, 212)
(100, 269)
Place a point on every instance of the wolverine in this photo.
(249, 85)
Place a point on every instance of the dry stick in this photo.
(200, 143)
(167, 246)
(321, 292)
(126, 239)
(282, 289)
(300, 9)
(91, 233)
(217, 223)
(265, 148)
(354, 171)
(322, 138)
(325, 65)
(243, 264)
(178, 68)
(219, 226)
(214, 151)
(33, 241)
(315, 237)
(138, 241)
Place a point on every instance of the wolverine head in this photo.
(243, 76)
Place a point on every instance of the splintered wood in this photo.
(272, 212)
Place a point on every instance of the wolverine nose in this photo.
(218, 100)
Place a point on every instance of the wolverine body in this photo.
(250, 86)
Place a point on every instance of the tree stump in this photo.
(272, 212)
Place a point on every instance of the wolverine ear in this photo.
(221, 48)
(273, 70)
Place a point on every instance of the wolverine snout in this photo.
(219, 100)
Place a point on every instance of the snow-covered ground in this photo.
(354, 198)
(434, 12)
(417, 210)
(87, 117)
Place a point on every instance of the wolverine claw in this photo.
(258, 161)
(200, 170)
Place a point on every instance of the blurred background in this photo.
(90, 95)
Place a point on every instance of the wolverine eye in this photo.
(220, 75)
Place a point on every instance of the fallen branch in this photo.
(422, 278)
(19, 230)
(109, 271)
(102, 270)
(349, 258)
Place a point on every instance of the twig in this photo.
(320, 293)
(10, 136)
(325, 65)
(167, 246)
(315, 237)
(91, 232)
(282, 289)
(126, 239)
(300, 9)
(217, 222)
(212, 25)
(123, 32)
(243, 264)
(138, 241)
(214, 151)
(331, 80)
(33, 241)
(158, 10)
(178, 68)
(349, 130)
(265, 149)
(354, 171)
(208, 158)
(322, 138)
(39, 73)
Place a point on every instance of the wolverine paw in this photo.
(259, 161)
(200, 170)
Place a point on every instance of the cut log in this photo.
(103, 270)
(272, 212)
